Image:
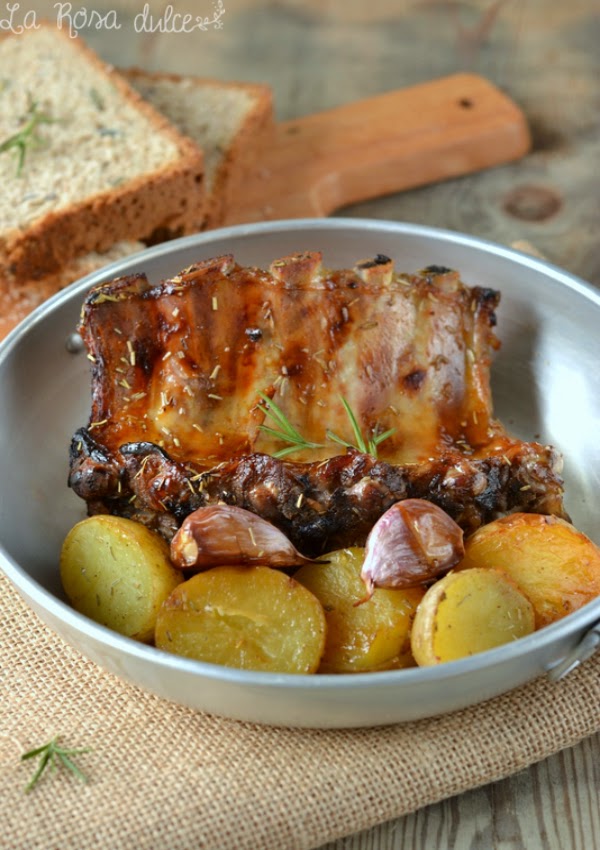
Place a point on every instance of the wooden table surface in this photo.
(317, 54)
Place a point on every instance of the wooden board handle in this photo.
(406, 138)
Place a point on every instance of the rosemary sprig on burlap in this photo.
(50, 756)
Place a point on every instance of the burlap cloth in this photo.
(166, 778)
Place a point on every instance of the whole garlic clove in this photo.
(411, 544)
(224, 535)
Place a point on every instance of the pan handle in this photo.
(586, 647)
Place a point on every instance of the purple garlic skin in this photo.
(412, 544)
(224, 535)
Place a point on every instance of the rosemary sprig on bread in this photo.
(27, 136)
(111, 167)
(100, 177)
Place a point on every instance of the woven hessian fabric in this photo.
(167, 778)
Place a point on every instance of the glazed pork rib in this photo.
(183, 371)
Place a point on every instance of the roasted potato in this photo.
(118, 573)
(553, 564)
(362, 634)
(255, 618)
(468, 612)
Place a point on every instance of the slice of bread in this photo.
(101, 166)
(16, 302)
(229, 121)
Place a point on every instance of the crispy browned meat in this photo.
(179, 368)
(320, 505)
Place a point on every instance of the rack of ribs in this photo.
(183, 371)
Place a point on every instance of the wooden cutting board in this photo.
(411, 137)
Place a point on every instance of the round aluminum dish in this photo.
(546, 386)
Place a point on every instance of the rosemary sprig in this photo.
(367, 446)
(291, 435)
(287, 434)
(27, 135)
(50, 755)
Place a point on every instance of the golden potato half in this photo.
(469, 612)
(372, 635)
(553, 564)
(254, 618)
(118, 573)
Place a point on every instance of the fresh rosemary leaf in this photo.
(339, 440)
(32, 753)
(379, 438)
(50, 754)
(27, 136)
(70, 765)
(289, 434)
(276, 413)
(385, 436)
(361, 444)
(280, 435)
(43, 762)
(366, 446)
(290, 450)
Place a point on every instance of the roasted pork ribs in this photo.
(182, 372)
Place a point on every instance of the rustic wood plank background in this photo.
(321, 53)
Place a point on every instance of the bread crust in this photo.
(16, 302)
(244, 149)
(169, 197)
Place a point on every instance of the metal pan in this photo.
(546, 386)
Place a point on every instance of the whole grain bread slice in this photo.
(230, 121)
(16, 302)
(100, 164)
